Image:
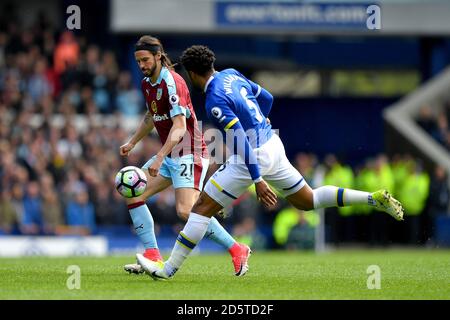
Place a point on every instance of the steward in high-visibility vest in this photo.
(288, 218)
(414, 192)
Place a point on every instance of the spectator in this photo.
(294, 229)
(8, 216)
(39, 85)
(439, 198)
(102, 96)
(426, 119)
(302, 235)
(129, 100)
(3, 40)
(32, 210)
(110, 209)
(413, 195)
(436, 124)
(441, 130)
(69, 146)
(80, 214)
(66, 52)
(52, 215)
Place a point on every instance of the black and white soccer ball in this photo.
(131, 182)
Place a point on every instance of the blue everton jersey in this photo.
(231, 97)
(234, 102)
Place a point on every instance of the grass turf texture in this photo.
(405, 274)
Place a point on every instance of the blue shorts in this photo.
(183, 171)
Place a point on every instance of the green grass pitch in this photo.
(405, 274)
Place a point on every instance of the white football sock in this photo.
(331, 196)
(189, 237)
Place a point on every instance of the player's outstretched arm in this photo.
(145, 127)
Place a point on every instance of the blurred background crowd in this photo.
(65, 108)
(434, 120)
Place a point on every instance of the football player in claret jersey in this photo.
(182, 160)
(241, 106)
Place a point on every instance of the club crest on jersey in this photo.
(154, 107)
(174, 99)
(159, 94)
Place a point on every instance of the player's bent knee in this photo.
(303, 199)
(183, 213)
(206, 206)
(303, 207)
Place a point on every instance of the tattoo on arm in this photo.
(147, 118)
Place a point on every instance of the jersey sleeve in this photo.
(263, 97)
(143, 93)
(225, 119)
(178, 97)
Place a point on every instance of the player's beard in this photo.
(151, 72)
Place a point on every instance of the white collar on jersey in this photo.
(158, 81)
(209, 81)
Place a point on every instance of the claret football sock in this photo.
(143, 224)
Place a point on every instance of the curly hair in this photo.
(198, 59)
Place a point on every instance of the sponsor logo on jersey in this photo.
(154, 107)
(157, 117)
(159, 94)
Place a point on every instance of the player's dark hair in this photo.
(153, 45)
(198, 59)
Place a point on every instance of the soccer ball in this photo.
(130, 182)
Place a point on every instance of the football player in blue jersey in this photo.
(239, 108)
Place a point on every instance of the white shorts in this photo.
(232, 179)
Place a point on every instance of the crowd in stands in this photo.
(57, 177)
(54, 174)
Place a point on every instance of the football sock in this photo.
(218, 234)
(331, 196)
(193, 232)
(143, 224)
